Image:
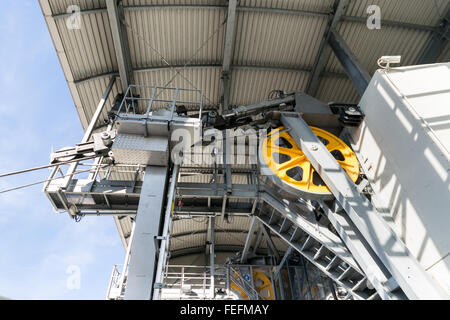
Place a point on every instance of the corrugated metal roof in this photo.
(192, 233)
(369, 45)
(314, 6)
(203, 78)
(162, 32)
(293, 41)
(445, 56)
(428, 13)
(175, 35)
(276, 45)
(172, 2)
(337, 91)
(193, 240)
(92, 91)
(251, 86)
(90, 49)
(61, 6)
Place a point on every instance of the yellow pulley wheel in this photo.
(290, 167)
(262, 285)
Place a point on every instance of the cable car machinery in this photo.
(301, 160)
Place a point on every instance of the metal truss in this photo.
(317, 244)
(294, 223)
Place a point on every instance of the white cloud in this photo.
(36, 111)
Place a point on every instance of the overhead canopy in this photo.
(274, 45)
(236, 55)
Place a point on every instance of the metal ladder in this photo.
(318, 245)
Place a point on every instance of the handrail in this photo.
(129, 97)
(244, 282)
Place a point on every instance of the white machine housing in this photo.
(404, 148)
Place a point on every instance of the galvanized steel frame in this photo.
(404, 268)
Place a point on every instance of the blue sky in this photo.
(37, 114)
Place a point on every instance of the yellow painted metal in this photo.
(262, 285)
(288, 162)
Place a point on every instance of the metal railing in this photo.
(186, 281)
(116, 286)
(172, 97)
(245, 285)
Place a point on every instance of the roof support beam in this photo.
(99, 110)
(324, 49)
(200, 249)
(354, 69)
(207, 232)
(389, 23)
(233, 67)
(228, 55)
(437, 43)
(120, 39)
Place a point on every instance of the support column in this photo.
(228, 55)
(120, 39)
(438, 41)
(141, 270)
(354, 69)
(164, 247)
(324, 49)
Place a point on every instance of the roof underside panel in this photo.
(192, 240)
(445, 56)
(202, 78)
(61, 6)
(180, 43)
(90, 49)
(92, 91)
(428, 13)
(337, 90)
(192, 233)
(174, 43)
(128, 3)
(369, 45)
(159, 37)
(293, 40)
(252, 86)
(323, 6)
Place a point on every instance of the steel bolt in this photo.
(105, 135)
